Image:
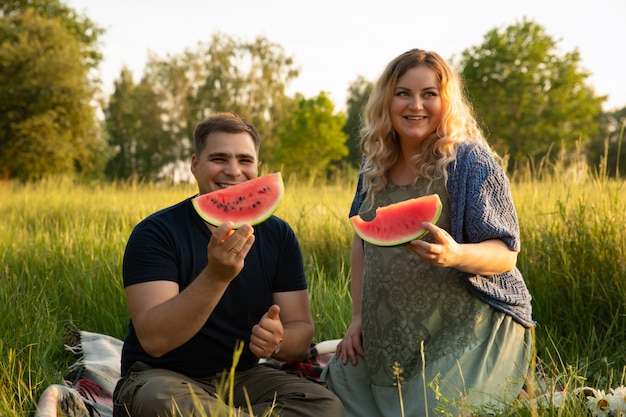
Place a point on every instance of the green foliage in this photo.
(529, 98)
(610, 151)
(49, 123)
(358, 93)
(80, 27)
(224, 74)
(136, 131)
(533, 101)
(573, 258)
(311, 137)
(576, 268)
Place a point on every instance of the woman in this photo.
(442, 323)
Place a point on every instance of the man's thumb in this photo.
(273, 312)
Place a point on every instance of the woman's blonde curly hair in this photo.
(379, 141)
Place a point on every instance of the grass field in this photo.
(61, 245)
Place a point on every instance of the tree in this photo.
(80, 27)
(49, 124)
(311, 136)
(225, 74)
(608, 152)
(358, 93)
(529, 98)
(136, 129)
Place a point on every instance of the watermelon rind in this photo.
(392, 227)
(239, 204)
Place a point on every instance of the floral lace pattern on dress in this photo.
(406, 301)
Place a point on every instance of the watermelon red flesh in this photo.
(399, 223)
(251, 202)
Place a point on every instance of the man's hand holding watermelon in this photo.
(227, 250)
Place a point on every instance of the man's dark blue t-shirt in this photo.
(171, 245)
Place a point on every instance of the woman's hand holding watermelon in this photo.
(444, 252)
(489, 257)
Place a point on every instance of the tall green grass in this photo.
(62, 241)
(574, 261)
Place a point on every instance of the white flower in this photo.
(599, 404)
(617, 401)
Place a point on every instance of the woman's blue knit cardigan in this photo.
(481, 208)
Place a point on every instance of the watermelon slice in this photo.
(399, 223)
(251, 202)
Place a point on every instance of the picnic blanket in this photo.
(87, 389)
(88, 385)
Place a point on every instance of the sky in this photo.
(333, 42)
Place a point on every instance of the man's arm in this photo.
(165, 318)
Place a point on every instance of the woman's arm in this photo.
(490, 257)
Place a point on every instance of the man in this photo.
(194, 291)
